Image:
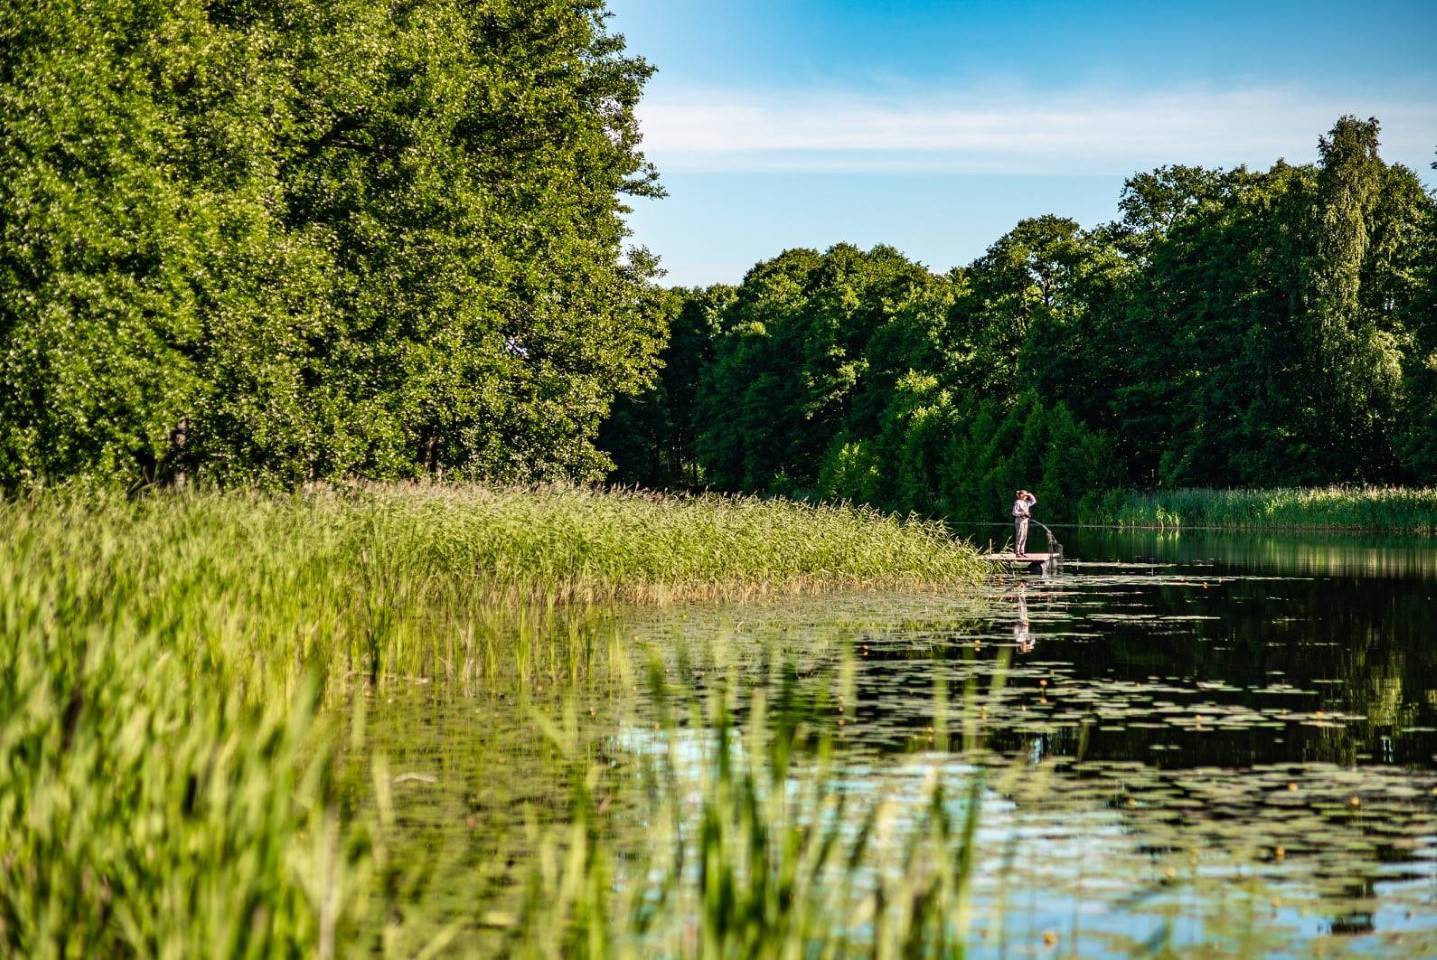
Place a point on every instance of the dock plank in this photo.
(1014, 558)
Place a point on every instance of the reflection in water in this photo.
(1225, 738)
(1022, 626)
(1326, 554)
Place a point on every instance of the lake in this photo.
(1205, 742)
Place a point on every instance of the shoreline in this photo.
(1402, 510)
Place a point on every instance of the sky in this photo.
(935, 125)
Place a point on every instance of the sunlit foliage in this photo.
(278, 241)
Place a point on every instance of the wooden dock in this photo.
(1033, 562)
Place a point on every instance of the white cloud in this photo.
(1095, 132)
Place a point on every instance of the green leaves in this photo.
(272, 242)
(1272, 323)
(1233, 327)
(860, 375)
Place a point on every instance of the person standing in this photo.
(1021, 508)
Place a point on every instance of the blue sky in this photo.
(935, 126)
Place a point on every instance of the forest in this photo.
(1230, 328)
(270, 243)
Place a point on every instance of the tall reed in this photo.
(1393, 509)
(166, 775)
(144, 811)
(758, 853)
(382, 580)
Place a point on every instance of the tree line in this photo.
(1230, 327)
(270, 241)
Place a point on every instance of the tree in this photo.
(1416, 436)
(652, 436)
(1271, 319)
(262, 240)
(750, 399)
(137, 276)
(792, 369)
(1358, 362)
(1234, 327)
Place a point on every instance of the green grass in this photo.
(166, 761)
(1389, 509)
(419, 580)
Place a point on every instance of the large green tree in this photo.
(1272, 319)
(653, 436)
(1417, 427)
(267, 240)
(793, 359)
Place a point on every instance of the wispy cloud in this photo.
(1095, 132)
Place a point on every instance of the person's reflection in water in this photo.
(1359, 890)
(1022, 630)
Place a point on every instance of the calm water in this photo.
(1205, 737)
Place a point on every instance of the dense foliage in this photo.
(1233, 327)
(275, 240)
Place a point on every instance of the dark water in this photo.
(1240, 709)
(1209, 743)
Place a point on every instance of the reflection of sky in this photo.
(1227, 697)
(1057, 857)
(1074, 867)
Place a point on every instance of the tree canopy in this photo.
(276, 240)
(1231, 327)
(268, 242)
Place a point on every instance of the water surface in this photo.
(1187, 739)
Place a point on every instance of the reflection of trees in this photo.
(1325, 553)
(1360, 920)
(1137, 644)
(1303, 634)
(1261, 634)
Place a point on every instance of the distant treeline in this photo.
(278, 240)
(272, 241)
(1232, 327)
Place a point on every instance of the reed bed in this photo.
(1388, 509)
(571, 544)
(426, 580)
(166, 761)
(148, 807)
